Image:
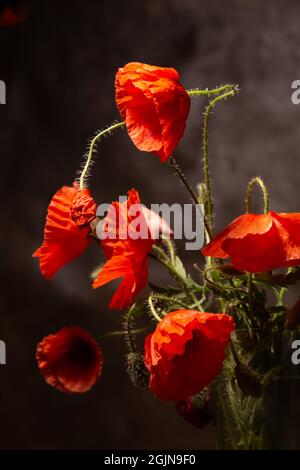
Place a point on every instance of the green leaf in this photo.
(178, 265)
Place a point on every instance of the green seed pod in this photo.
(195, 409)
(137, 371)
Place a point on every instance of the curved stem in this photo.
(207, 180)
(152, 309)
(257, 181)
(213, 91)
(169, 299)
(128, 331)
(174, 165)
(221, 287)
(90, 153)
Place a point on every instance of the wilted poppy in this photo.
(154, 106)
(259, 242)
(70, 360)
(127, 240)
(63, 239)
(186, 352)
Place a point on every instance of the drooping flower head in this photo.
(70, 360)
(64, 239)
(186, 352)
(127, 240)
(259, 242)
(154, 106)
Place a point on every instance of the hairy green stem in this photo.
(208, 110)
(174, 165)
(213, 91)
(250, 293)
(152, 308)
(259, 182)
(91, 150)
(128, 331)
(169, 299)
(220, 287)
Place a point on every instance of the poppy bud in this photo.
(248, 380)
(195, 409)
(83, 208)
(293, 318)
(137, 370)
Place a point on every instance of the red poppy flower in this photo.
(259, 242)
(132, 266)
(70, 360)
(127, 240)
(63, 239)
(186, 352)
(154, 106)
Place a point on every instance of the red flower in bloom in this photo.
(186, 352)
(63, 239)
(127, 239)
(154, 106)
(70, 360)
(259, 242)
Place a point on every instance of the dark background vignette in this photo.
(59, 68)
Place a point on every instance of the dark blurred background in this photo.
(59, 66)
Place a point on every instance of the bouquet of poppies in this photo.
(218, 343)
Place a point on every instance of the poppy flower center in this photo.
(191, 346)
(81, 353)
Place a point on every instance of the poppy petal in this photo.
(154, 106)
(127, 240)
(70, 360)
(259, 242)
(63, 240)
(186, 352)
